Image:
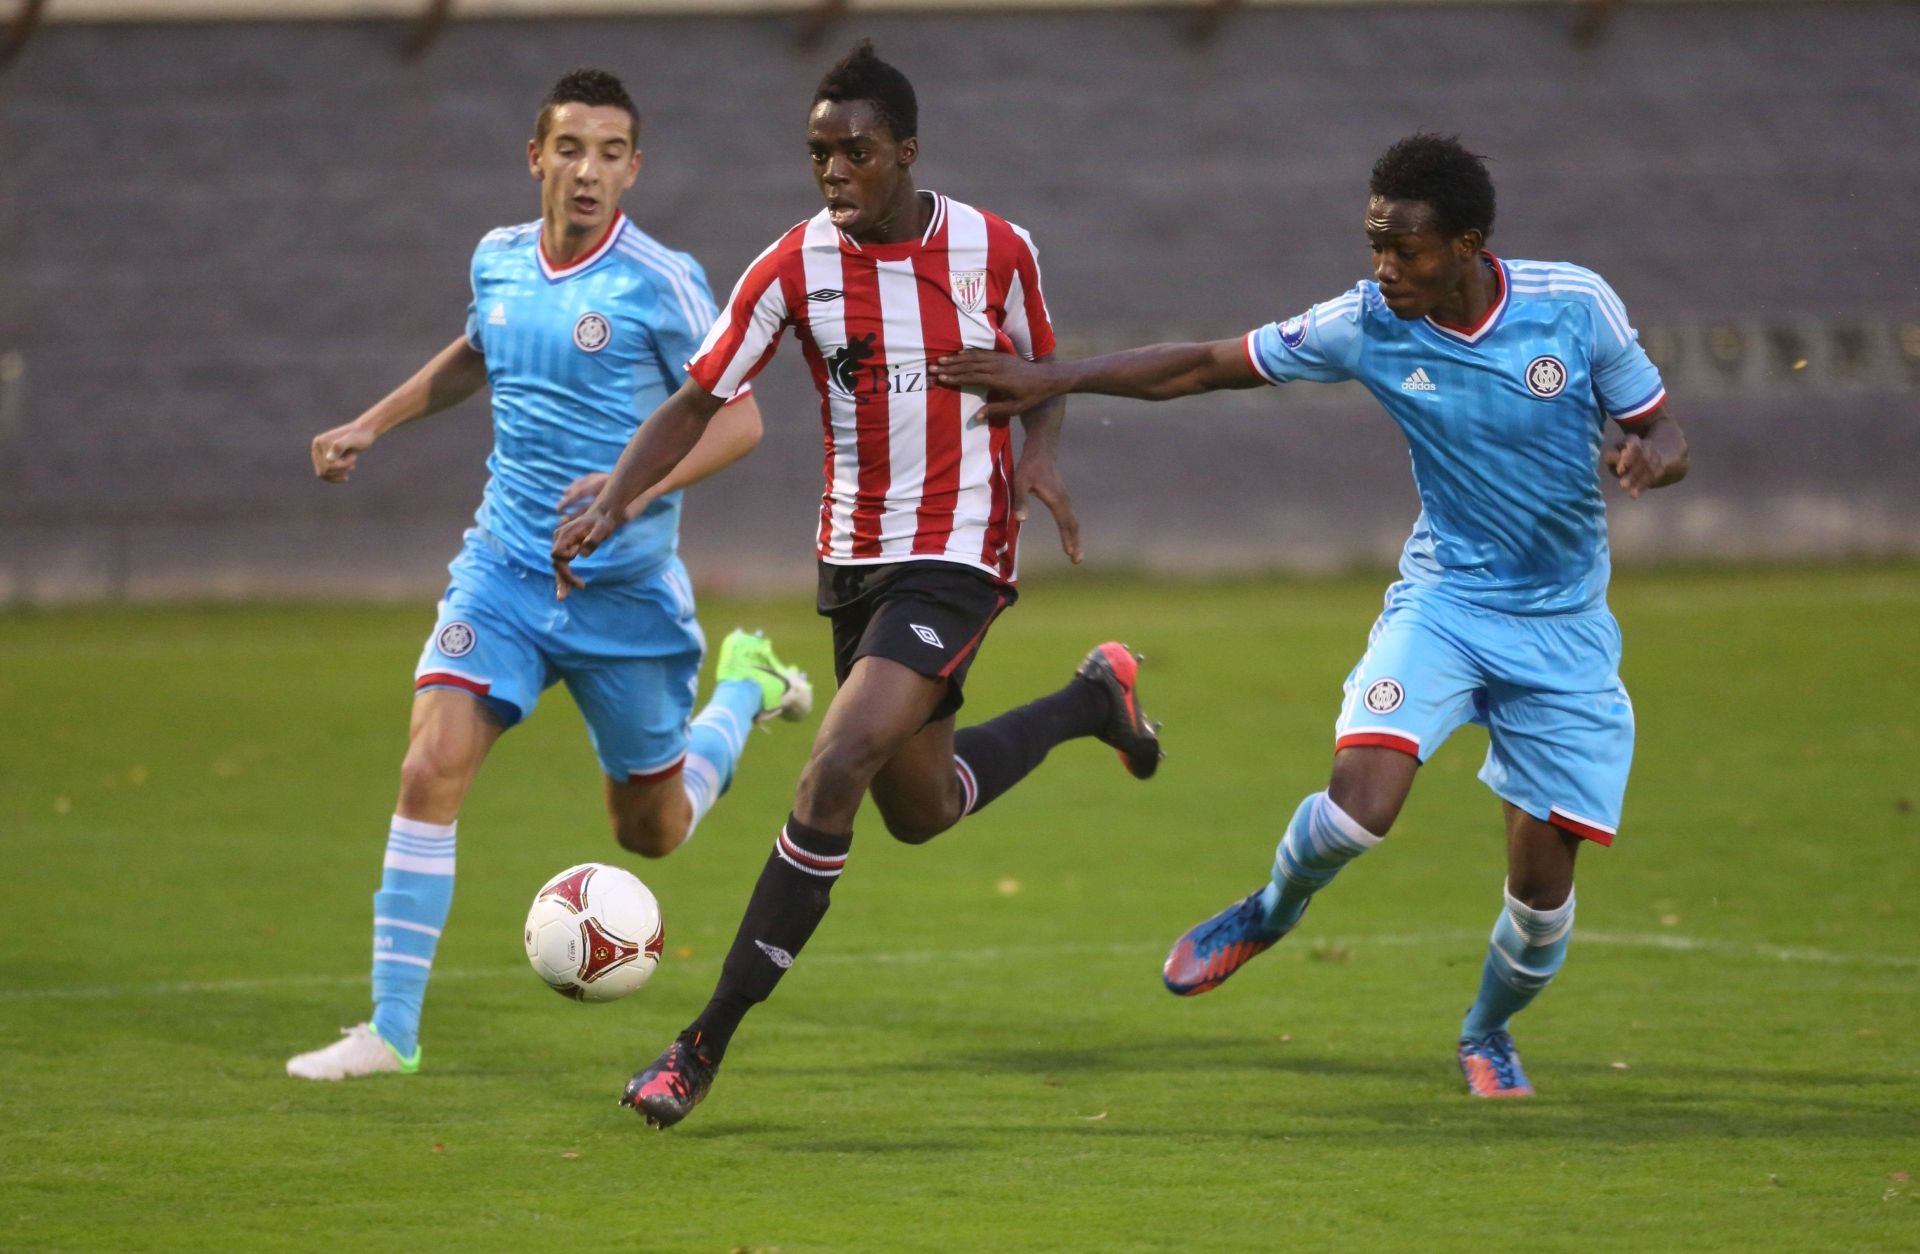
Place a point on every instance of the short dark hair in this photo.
(1438, 171)
(585, 86)
(862, 75)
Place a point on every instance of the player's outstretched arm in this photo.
(1038, 474)
(733, 433)
(1159, 372)
(455, 373)
(1653, 454)
(662, 442)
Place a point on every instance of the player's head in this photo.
(863, 137)
(1429, 212)
(585, 150)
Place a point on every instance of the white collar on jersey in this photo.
(599, 250)
(937, 220)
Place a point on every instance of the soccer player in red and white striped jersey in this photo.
(919, 522)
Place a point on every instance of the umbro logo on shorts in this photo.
(1418, 382)
(779, 957)
(927, 634)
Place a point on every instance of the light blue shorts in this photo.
(1547, 688)
(629, 653)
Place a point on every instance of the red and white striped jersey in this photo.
(912, 472)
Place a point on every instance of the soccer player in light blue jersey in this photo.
(1502, 375)
(581, 323)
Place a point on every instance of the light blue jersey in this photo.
(576, 357)
(1504, 421)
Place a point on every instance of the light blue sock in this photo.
(715, 743)
(1320, 839)
(1525, 952)
(416, 891)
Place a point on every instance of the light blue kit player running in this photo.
(581, 324)
(1502, 375)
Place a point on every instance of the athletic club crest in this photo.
(1545, 377)
(456, 640)
(1384, 696)
(970, 290)
(592, 332)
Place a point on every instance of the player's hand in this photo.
(336, 452)
(585, 490)
(581, 493)
(1636, 463)
(579, 536)
(1013, 384)
(1038, 475)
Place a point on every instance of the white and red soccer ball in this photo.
(594, 932)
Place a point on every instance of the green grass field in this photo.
(975, 1052)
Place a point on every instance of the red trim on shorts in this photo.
(1378, 740)
(451, 681)
(1585, 831)
(654, 777)
(999, 603)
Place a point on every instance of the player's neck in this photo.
(907, 220)
(1478, 292)
(563, 245)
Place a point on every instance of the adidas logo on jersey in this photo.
(498, 318)
(1418, 382)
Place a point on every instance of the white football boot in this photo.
(358, 1052)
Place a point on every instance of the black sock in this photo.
(1001, 751)
(788, 902)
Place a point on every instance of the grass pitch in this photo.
(975, 1052)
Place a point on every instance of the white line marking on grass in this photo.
(1119, 949)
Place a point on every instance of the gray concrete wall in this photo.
(216, 240)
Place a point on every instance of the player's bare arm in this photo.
(1652, 455)
(733, 433)
(661, 443)
(1038, 472)
(455, 373)
(1158, 372)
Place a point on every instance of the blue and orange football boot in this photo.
(1492, 1066)
(1213, 950)
(677, 1081)
(1116, 668)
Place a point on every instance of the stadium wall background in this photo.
(216, 240)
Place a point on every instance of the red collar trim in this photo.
(599, 250)
(1473, 333)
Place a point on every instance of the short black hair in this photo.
(586, 86)
(1438, 171)
(862, 75)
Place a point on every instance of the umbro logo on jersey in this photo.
(1418, 382)
(498, 318)
(825, 294)
(927, 634)
(780, 957)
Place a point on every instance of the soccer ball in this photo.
(594, 932)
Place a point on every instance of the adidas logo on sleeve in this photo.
(1418, 382)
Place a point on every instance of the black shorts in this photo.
(929, 616)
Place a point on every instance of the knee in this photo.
(429, 777)
(646, 835)
(840, 769)
(913, 829)
(1370, 807)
